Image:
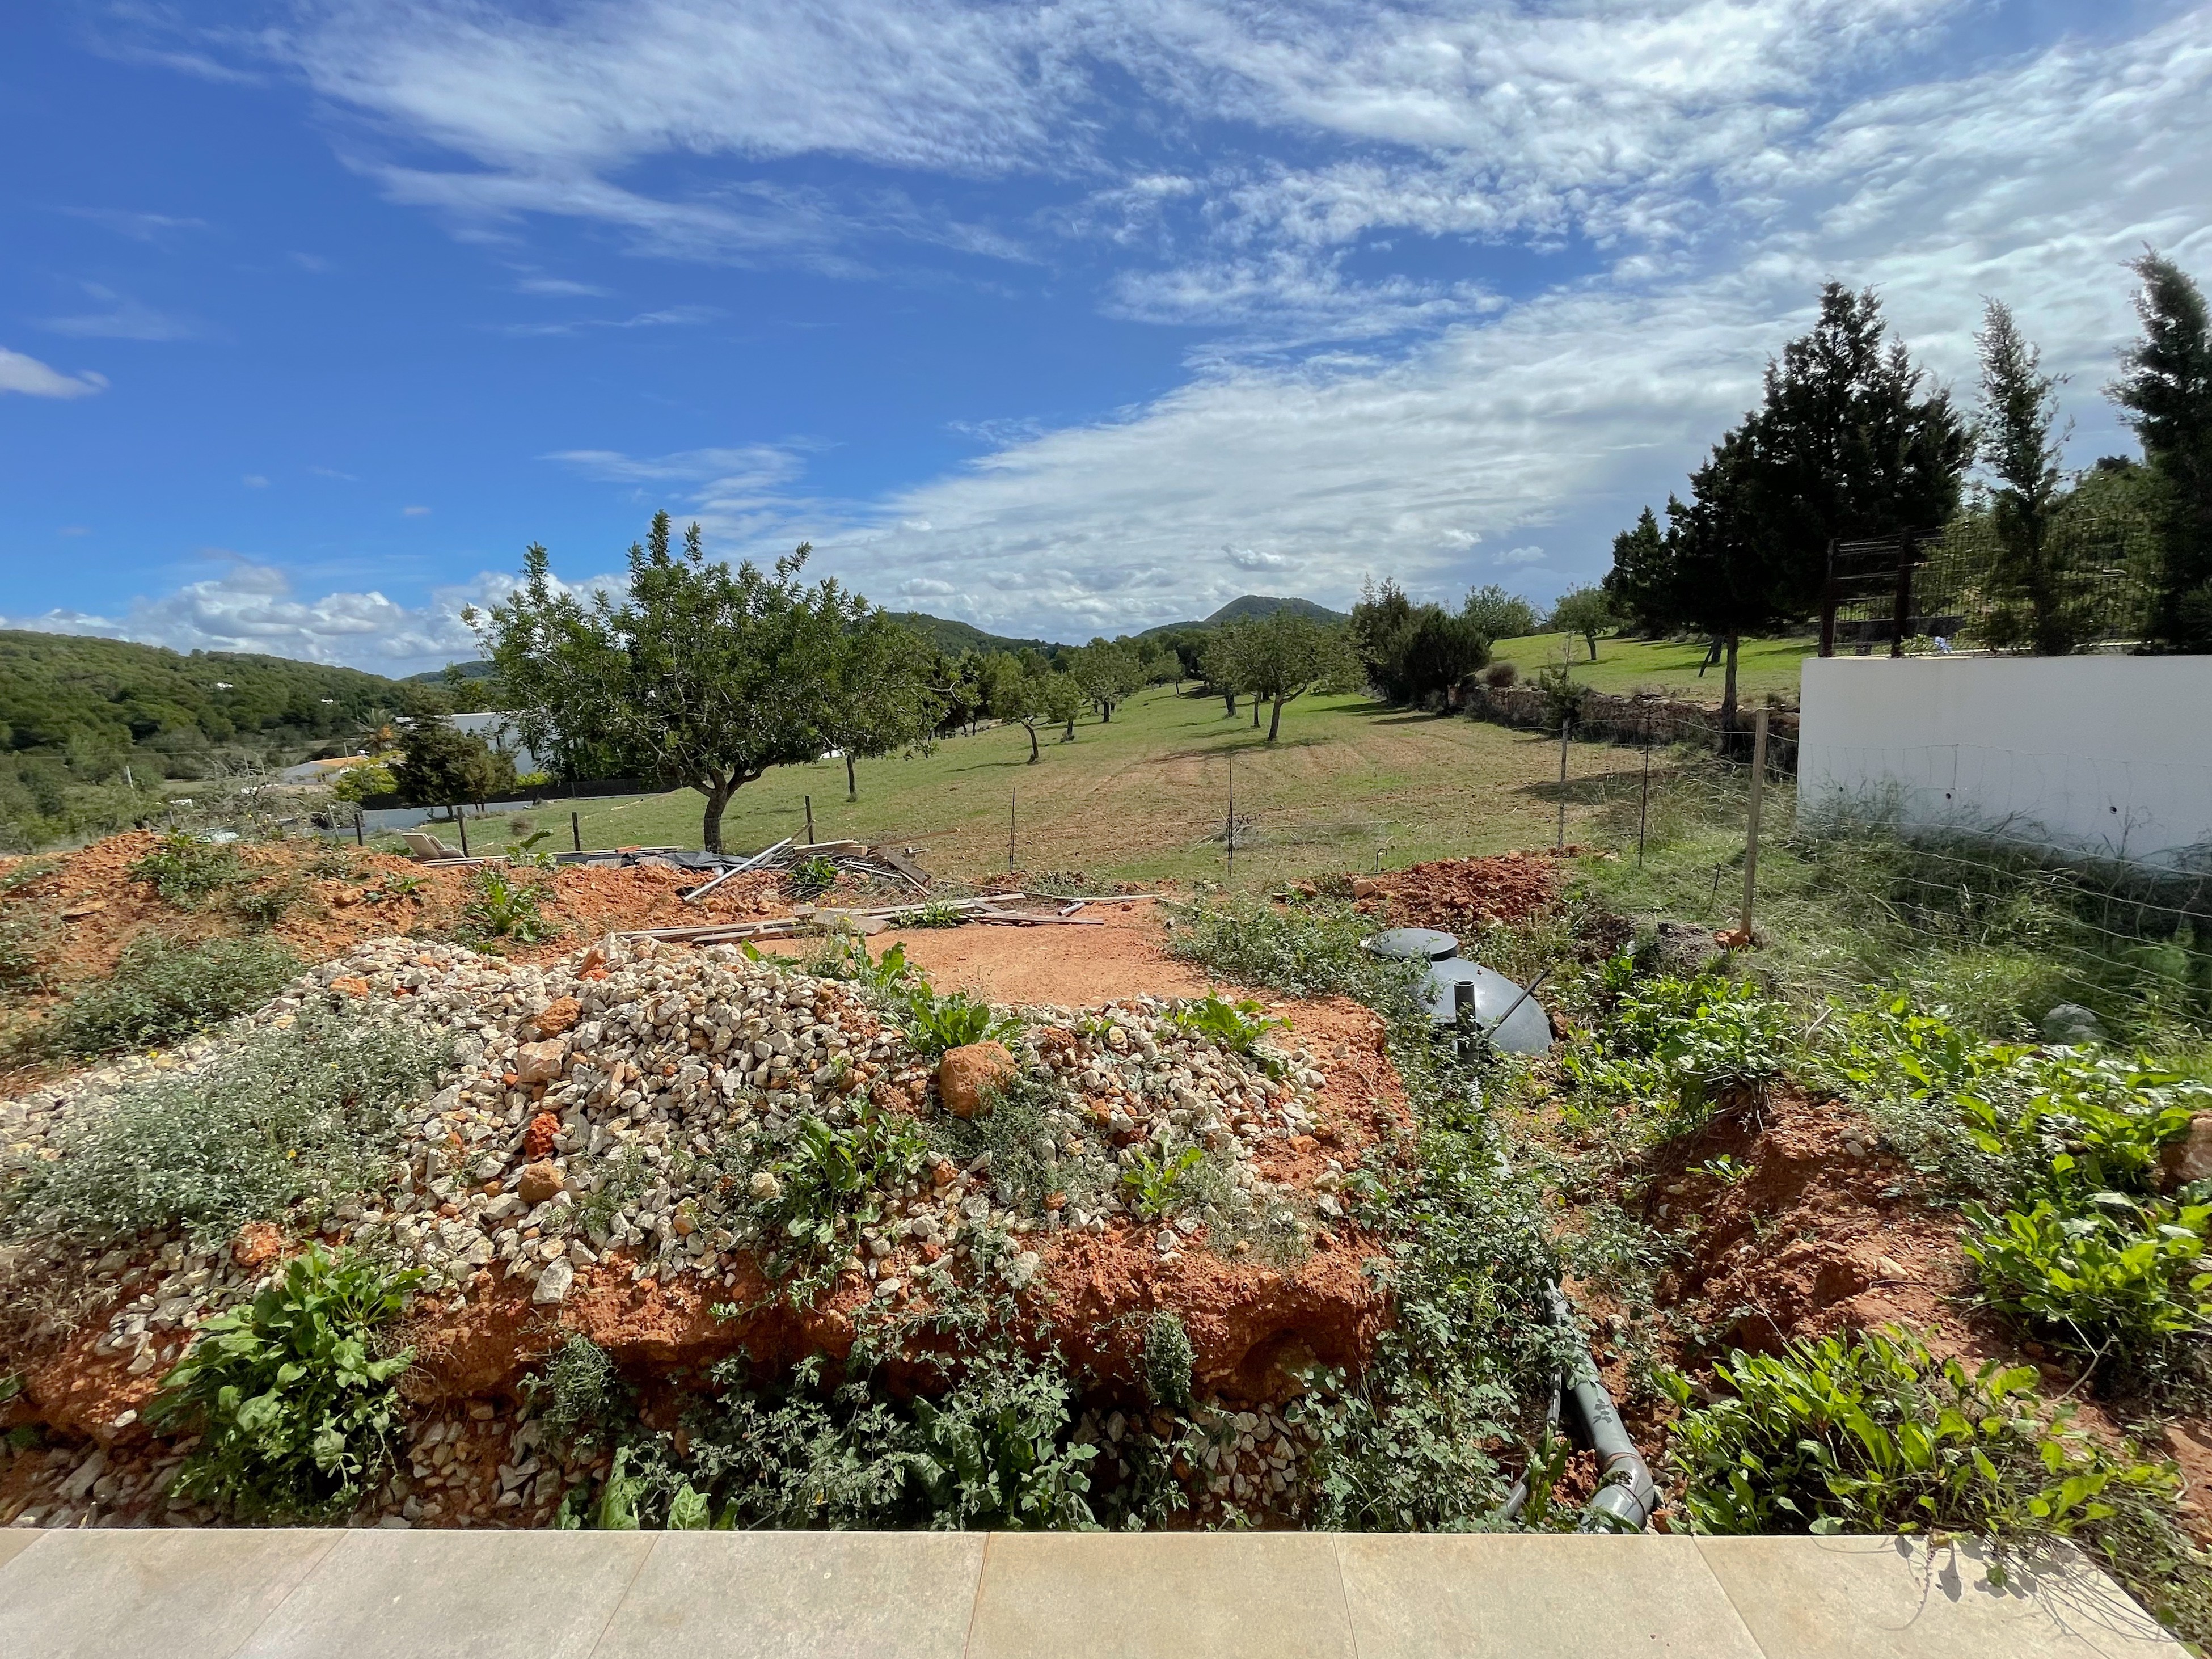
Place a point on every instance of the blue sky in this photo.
(1062, 320)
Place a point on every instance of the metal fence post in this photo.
(1751, 826)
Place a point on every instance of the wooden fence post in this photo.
(1751, 826)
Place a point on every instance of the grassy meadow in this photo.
(1667, 665)
(1143, 798)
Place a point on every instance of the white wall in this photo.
(2109, 755)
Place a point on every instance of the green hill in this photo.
(1253, 605)
(56, 689)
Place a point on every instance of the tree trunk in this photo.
(1105, 714)
(1727, 686)
(852, 783)
(1230, 697)
(1275, 721)
(1590, 640)
(1256, 714)
(718, 797)
(1034, 756)
(1069, 737)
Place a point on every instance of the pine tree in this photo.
(2018, 442)
(2166, 389)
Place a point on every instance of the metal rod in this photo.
(1750, 825)
(576, 832)
(809, 800)
(1013, 799)
(460, 819)
(1229, 832)
(360, 835)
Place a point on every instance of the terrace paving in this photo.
(364, 1594)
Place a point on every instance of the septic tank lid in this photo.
(1418, 942)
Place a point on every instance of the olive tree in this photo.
(1281, 657)
(877, 691)
(1107, 673)
(696, 674)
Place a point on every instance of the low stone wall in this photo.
(1662, 721)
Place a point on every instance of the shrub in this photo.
(1563, 694)
(811, 877)
(23, 943)
(185, 869)
(1500, 675)
(295, 1408)
(261, 906)
(164, 989)
(1874, 1435)
(993, 1451)
(499, 907)
(302, 1113)
(1169, 1359)
(2072, 1123)
(2115, 1281)
(359, 782)
(1306, 950)
(1691, 1039)
(579, 1395)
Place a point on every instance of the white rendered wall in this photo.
(2106, 755)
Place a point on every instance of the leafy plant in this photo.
(1168, 1358)
(23, 944)
(500, 907)
(1691, 1039)
(531, 853)
(1872, 1434)
(811, 877)
(935, 1024)
(396, 885)
(938, 914)
(187, 869)
(2073, 1124)
(295, 1408)
(262, 905)
(831, 1181)
(579, 1395)
(1158, 1186)
(304, 1112)
(2121, 1281)
(1237, 1026)
(164, 989)
(1723, 1168)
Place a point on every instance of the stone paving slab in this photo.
(1535, 1596)
(1135, 1595)
(239, 1593)
(393, 1595)
(1895, 1598)
(178, 1593)
(747, 1596)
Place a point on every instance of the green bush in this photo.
(1689, 1039)
(1874, 1435)
(811, 877)
(23, 945)
(303, 1113)
(579, 1396)
(1304, 950)
(295, 1408)
(499, 907)
(2116, 1281)
(831, 1183)
(1168, 1358)
(1158, 1186)
(187, 869)
(163, 990)
(994, 1452)
(2073, 1123)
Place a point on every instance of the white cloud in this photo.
(254, 481)
(1518, 555)
(122, 318)
(414, 512)
(34, 380)
(138, 227)
(560, 288)
(251, 607)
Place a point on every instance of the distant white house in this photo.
(497, 730)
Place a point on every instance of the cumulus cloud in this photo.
(251, 607)
(34, 380)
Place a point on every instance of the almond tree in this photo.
(696, 675)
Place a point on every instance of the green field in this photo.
(1668, 666)
(1146, 797)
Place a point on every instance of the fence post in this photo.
(1751, 826)
(1903, 594)
(360, 830)
(461, 820)
(1561, 841)
(1828, 598)
(1644, 805)
(1229, 831)
(1012, 797)
(809, 800)
(576, 832)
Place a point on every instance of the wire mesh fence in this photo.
(2085, 580)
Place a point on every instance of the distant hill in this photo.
(956, 636)
(478, 669)
(55, 687)
(1254, 604)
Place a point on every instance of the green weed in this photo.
(295, 1408)
(303, 1114)
(186, 870)
(811, 877)
(163, 990)
(1168, 1358)
(1159, 1186)
(579, 1396)
(500, 907)
(935, 1024)
(1236, 1026)
(831, 1183)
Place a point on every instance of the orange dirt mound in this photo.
(1457, 895)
